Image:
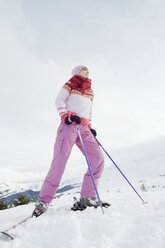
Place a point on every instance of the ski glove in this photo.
(73, 118)
(93, 132)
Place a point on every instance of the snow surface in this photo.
(126, 224)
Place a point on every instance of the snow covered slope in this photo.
(126, 224)
(142, 164)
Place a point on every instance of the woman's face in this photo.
(84, 72)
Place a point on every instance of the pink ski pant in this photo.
(67, 136)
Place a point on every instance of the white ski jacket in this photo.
(69, 101)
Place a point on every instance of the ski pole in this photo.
(121, 172)
(89, 167)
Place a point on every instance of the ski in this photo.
(5, 236)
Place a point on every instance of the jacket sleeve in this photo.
(61, 100)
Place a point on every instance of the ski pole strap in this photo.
(89, 167)
(120, 171)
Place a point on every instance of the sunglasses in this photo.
(85, 69)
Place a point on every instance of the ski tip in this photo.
(4, 236)
(146, 202)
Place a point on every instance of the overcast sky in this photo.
(121, 42)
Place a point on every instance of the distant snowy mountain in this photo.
(9, 192)
(7, 196)
(7, 189)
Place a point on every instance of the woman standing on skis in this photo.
(74, 104)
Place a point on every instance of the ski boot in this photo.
(92, 202)
(77, 206)
(85, 202)
(40, 208)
